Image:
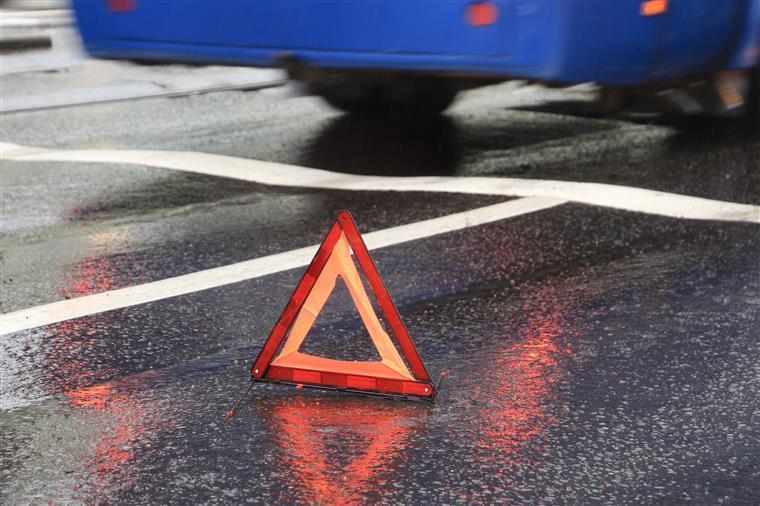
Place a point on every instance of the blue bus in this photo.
(415, 55)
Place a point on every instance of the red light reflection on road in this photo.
(125, 426)
(112, 454)
(522, 382)
(68, 357)
(97, 273)
(522, 376)
(90, 276)
(71, 356)
(338, 451)
(93, 398)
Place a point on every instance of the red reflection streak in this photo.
(93, 398)
(519, 394)
(66, 356)
(523, 375)
(338, 452)
(71, 359)
(92, 276)
(68, 363)
(111, 453)
(126, 425)
(96, 273)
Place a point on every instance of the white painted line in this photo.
(36, 13)
(605, 195)
(203, 280)
(35, 18)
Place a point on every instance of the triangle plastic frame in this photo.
(388, 377)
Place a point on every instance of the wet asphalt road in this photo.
(595, 355)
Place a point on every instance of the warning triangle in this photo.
(387, 376)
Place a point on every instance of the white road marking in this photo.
(605, 195)
(134, 295)
(47, 18)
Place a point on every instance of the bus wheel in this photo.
(387, 101)
(753, 102)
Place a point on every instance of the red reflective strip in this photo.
(361, 383)
(307, 376)
(335, 379)
(421, 389)
(279, 374)
(386, 385)
(351, 381)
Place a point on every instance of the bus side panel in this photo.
(607, 42)
(392, 26)
(747, 51)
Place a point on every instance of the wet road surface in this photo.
(595, 355)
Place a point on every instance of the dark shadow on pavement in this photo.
(390, 146)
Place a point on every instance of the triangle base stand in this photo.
(366, 393)
(349, 383)
(230, 414)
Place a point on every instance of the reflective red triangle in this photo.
(390, 375)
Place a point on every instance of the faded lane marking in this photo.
(605, 195)
(55, 312)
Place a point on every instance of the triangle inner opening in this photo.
(338, 332)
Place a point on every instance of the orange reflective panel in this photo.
(390, 374)
(654, 7)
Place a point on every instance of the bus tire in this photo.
(753, 101)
